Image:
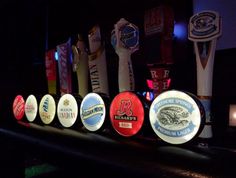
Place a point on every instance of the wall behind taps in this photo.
(226, 9)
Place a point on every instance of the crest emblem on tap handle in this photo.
(204, 26)
(127, 35)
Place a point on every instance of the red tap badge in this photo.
(127, 114)
(18, 107)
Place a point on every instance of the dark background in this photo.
(29, 28)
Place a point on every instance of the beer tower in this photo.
(204, 30)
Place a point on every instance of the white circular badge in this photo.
(47, 109)
(92, 111)
(31, 108)
(175, 117)
(67, 110)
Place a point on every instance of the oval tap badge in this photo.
(92, 111)
(175, 117)
(18, 107)
(47, 109)
(127, 113)
(67, 110)
(31, 108)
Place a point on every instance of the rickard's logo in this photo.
(125, 111)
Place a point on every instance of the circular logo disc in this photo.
(67, 110)
(175, 117)
(18, 107)
(127, 114)
(31, 108)
(92, 111)
(47, 109)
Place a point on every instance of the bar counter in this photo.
(105, 154)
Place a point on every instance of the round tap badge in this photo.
(127, 113)
(67, 110)
(47, 109)
(31, 108)
(175, 117)
(92, 111)
(18, 107)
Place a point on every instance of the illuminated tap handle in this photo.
(125, 40)
(204, 29)
(80, 66)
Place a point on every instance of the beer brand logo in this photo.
(92, 111)
(66, 114)
(45, 114)
(172, 117)
(18, 107)
(66, 102)
(125, 111)
(205, 25)
(47, 109)
(31, 108)
(125, 108)
(175, 117)
(45, 104)
(130, 36)
(46, 117)
(67, 110)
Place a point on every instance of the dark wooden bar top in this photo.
(104, 155)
